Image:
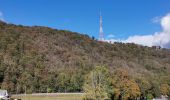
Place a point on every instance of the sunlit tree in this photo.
(164, 89)
(125, 88)
(97, 84)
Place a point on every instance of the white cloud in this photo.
(110, 36)
(1, 16)
(158, 38)
(112, 40)
(144, 40)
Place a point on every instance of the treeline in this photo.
(40, 59)
(104, 84)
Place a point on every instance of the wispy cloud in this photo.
(158, 38)
(1, 16)
(156, 19)
(110, 36)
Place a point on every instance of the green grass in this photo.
(60, 96)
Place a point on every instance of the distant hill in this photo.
(40, 59)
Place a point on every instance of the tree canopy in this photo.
(40, 59)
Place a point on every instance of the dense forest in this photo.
(41, 59)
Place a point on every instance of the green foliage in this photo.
(49, 90)
(149, 96)
(97, 84)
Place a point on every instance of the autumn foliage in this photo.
(36, 59)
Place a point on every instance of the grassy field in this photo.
(57, 96)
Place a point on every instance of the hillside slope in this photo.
(33, 59)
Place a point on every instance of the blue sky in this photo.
(121, 18)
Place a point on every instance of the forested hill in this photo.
(34, 59)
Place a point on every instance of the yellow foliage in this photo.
(125, 87)
(164, 89)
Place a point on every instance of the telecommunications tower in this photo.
(101, 34)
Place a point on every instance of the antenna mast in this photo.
(101, 34)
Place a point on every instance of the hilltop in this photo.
(36, 58)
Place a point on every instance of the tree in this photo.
(124, 87)
(76, 82)
(144, 85)
(63, 82)
(164, 89)
(97, 84)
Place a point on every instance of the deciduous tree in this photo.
(97, 84)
